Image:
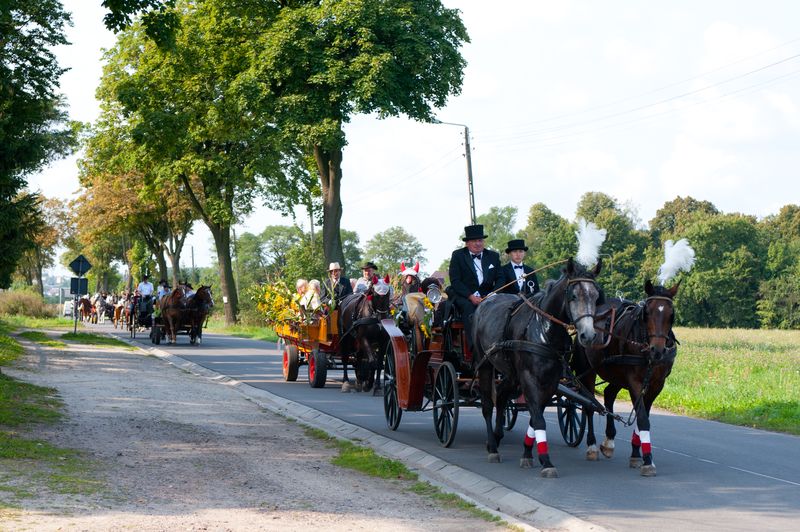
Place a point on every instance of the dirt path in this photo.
(175, 451)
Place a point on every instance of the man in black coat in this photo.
(516, 275)
(336, 287)
(474, 272)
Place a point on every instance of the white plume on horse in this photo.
(678, 256)
(590, 238)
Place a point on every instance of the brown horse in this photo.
(173, 312)
(639, 358)
(199, 306)
(181, 313)
(85, 309)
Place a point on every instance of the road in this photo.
(711, 476)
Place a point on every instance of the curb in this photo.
(517, 509)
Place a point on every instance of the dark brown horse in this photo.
(360, 333)
(639, 358)
(85, 309)
(520, 345)
(198, 307)
(173, 312)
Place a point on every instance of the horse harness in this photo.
(369, 320)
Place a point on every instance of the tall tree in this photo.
(203, 122)
(43, 226)
(672, 220)
(32, 118)
(550, 239)
(498, 225)
(325, 61)
(389, 248)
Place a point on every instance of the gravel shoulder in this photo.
(176, 451)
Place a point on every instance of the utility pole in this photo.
(468, 154)
(194, 275)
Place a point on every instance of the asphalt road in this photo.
(711, 476)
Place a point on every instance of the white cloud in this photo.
(635, 60)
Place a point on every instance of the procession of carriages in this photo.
(531, 353)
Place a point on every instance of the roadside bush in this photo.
(21, 303)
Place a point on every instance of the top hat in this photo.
(516, 244)
(473, 232)
(334, 266)
(369, 264)
(145, 276)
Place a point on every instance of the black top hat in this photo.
(516, 244)
(473, 232)
(369, 264)
(145, 276)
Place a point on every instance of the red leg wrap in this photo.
(635, 440)
(541, 448)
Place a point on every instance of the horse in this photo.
(360, 333)
(119, 312)
(198, 306)
(85, 308)
(173, 312)
(524, 340)
(639, 358)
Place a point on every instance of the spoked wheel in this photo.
(317, 369)
(134, 325)
(511, 415)
(156, 334)
(391, 403)
(291, 363)
(571, 421)
(445, 404)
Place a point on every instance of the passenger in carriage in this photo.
(518, 276)
(163, 289)
(474, 273)
(188, 290)
(336, 287)
(310, 300)
(365, 281)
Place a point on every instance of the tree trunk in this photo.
(162, 264)
(329, 166)
(222, 242)
(174, 260)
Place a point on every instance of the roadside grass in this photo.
(365, 460)
(95, 339)
(17, 321)
(41, 338)
(217, 325)
(27, 465)
(748, 377)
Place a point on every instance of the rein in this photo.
(524, 276)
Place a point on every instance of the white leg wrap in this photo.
(644, 436)
(540, 435)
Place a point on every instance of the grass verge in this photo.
(26, 322)
(41, 338)
(95, 339)
(242, 331)
(365, 460)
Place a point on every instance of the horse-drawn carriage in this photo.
(178, 314)
(314, 343)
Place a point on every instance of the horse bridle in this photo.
(571, 282)
(671, 304)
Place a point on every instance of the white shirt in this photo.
(145, 288)
(519, 272)
(162, 291)
(362, 285)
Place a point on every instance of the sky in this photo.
(643, 101)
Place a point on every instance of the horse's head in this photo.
(204, 297)
(581, 296)
(658, 317)
(410, 278)
(380, 294)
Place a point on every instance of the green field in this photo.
(739, 376)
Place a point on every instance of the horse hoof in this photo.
(376, 391)
(648, 470)
(592, 455)
(635, 462)
(347, 387)
(549, 472)
(494, 458)
(608, 452)
(526, 463)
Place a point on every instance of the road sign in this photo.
(80, 266)
(78, 286)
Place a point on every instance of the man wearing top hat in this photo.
(474, 272)
(335, 287)
(364, 282)
(516, 275)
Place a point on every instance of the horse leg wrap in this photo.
(541, 439)
(635, 441)
(645, 439)
(530, 437)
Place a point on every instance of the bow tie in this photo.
(478, 256)
(520, 267)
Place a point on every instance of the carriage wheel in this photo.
(317, 369)
(445, 404)
(391, 403)
(511, 415)
(571, 421)
(291, 363)
(134, 325)
(156, 334)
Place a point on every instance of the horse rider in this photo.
(365, 281)
(526, 282)
(335, 287)
(474, 273)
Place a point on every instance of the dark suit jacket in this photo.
(464, 279)
(509, 275)
(341, 289)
